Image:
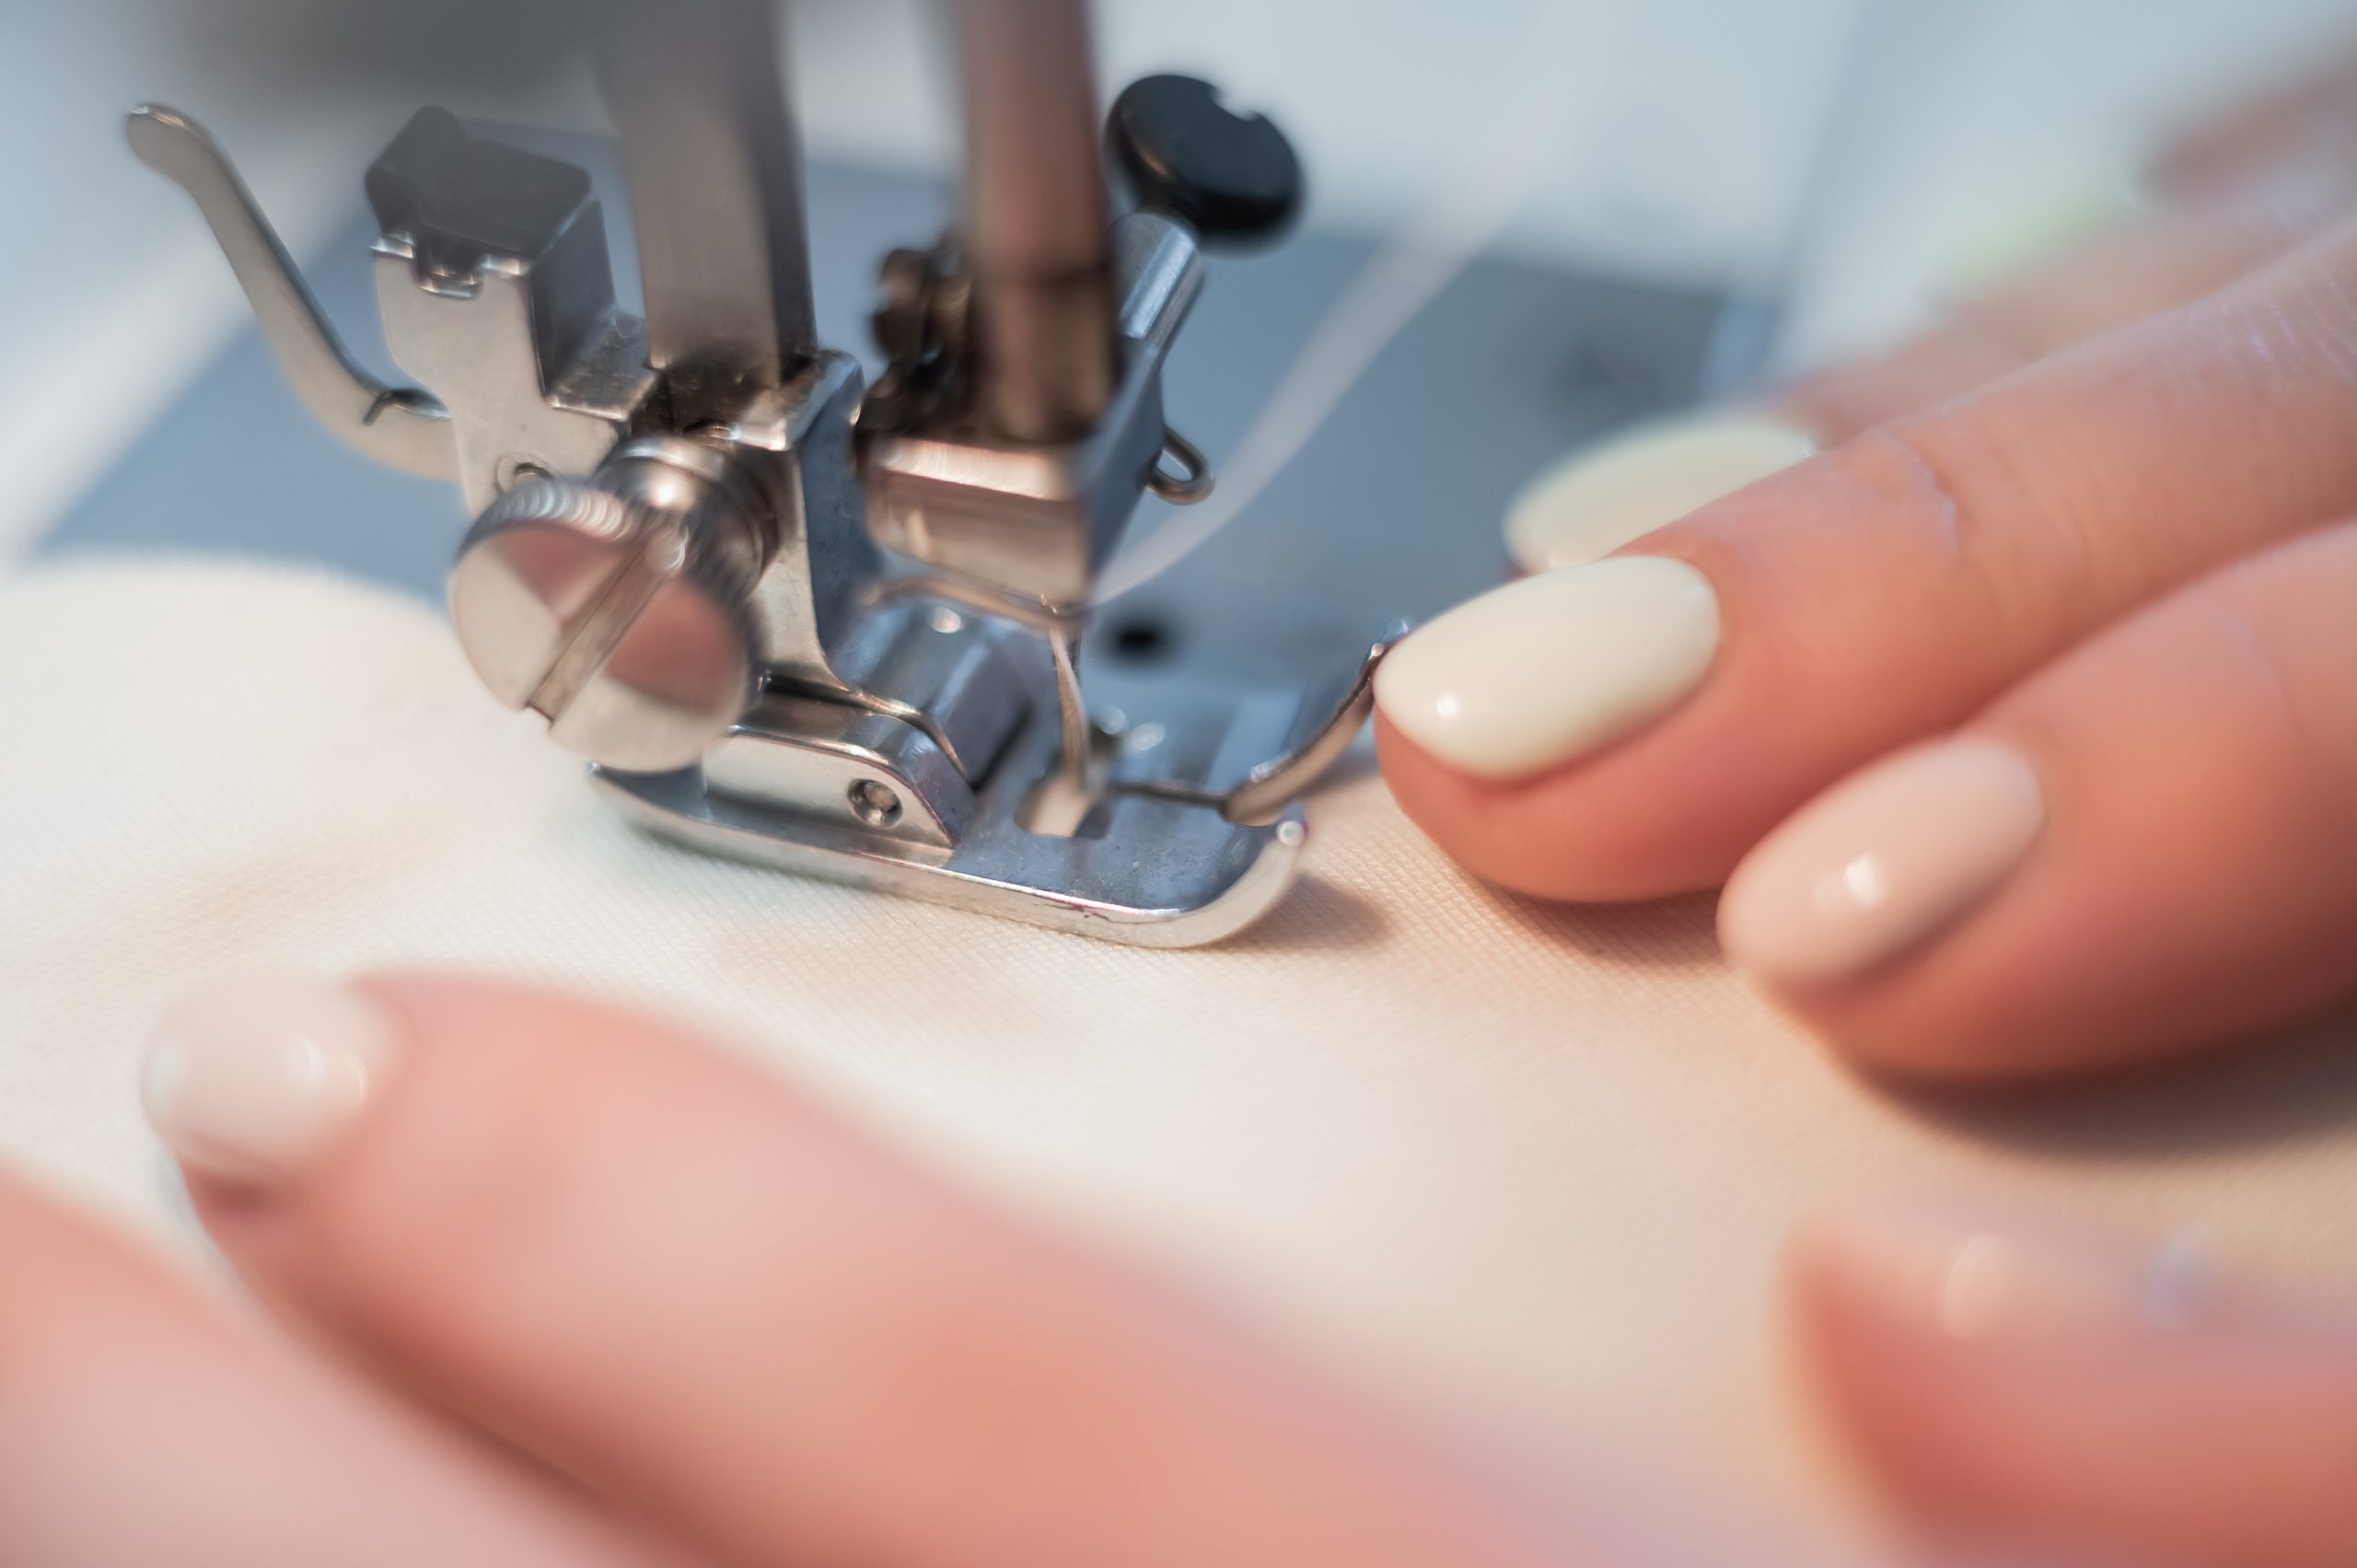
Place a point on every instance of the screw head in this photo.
(624, 624)
(874, 804)
(514, 468)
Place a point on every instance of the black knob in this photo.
(1233, 177)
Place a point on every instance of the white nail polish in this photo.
(1881, 862)
(1985, 1279)
(1600, 498)
(1547, 669)
(253, 1079)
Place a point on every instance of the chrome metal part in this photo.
(1062, 800)
(398, 426)
(1150, 873)
(947, 671)
(617, 607)
(831, 765)
(684, 556)
(797, 441)
(1158, 270)
(496, 292)
(1038, 519)
(1036, 216)
(1263, 792)
(715, 180)
(1190, 482)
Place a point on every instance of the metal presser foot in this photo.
(788, 619)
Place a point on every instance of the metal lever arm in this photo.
(399, 427)
(1262, 795)
(1265, 790)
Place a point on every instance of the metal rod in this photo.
(697, 90)
(1036, 215)
(1076, 735)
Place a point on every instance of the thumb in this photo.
(2014, 1374)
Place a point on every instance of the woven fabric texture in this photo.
(1534, 1161)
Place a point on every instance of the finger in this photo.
(2285, 193)
(2165, 261)
(1840, 403)
(2148, 846)
(2172, 257)
(1608, 494)
(2231, 202)
(141, 1425)
(674, 1281)
(2016, 1375)
(1630, 728)
(2306, 120)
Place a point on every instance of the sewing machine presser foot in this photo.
(787, 617)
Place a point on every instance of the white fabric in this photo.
(1538, 1159)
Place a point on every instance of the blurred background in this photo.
(1715, 192)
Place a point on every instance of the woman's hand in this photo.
(2021, 726)
(2025, 1379)
(569, 1289)
(558, 1285)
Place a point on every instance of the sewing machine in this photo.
(788, 616)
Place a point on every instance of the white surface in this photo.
(1536, 1159)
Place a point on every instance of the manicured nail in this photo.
(1549, 668)
(1985, 1278)
(252, 1080)
(1598, 499)
(1881, 862)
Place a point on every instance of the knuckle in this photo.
(2012, 561)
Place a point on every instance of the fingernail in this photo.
(252, 1080)
(1598, 499)
(1987, 1279)
(1549, 668)
(1881, 862)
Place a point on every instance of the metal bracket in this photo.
(496, 292)
(1148, 864)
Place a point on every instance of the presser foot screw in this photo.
(875, 804)
(617, 607)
